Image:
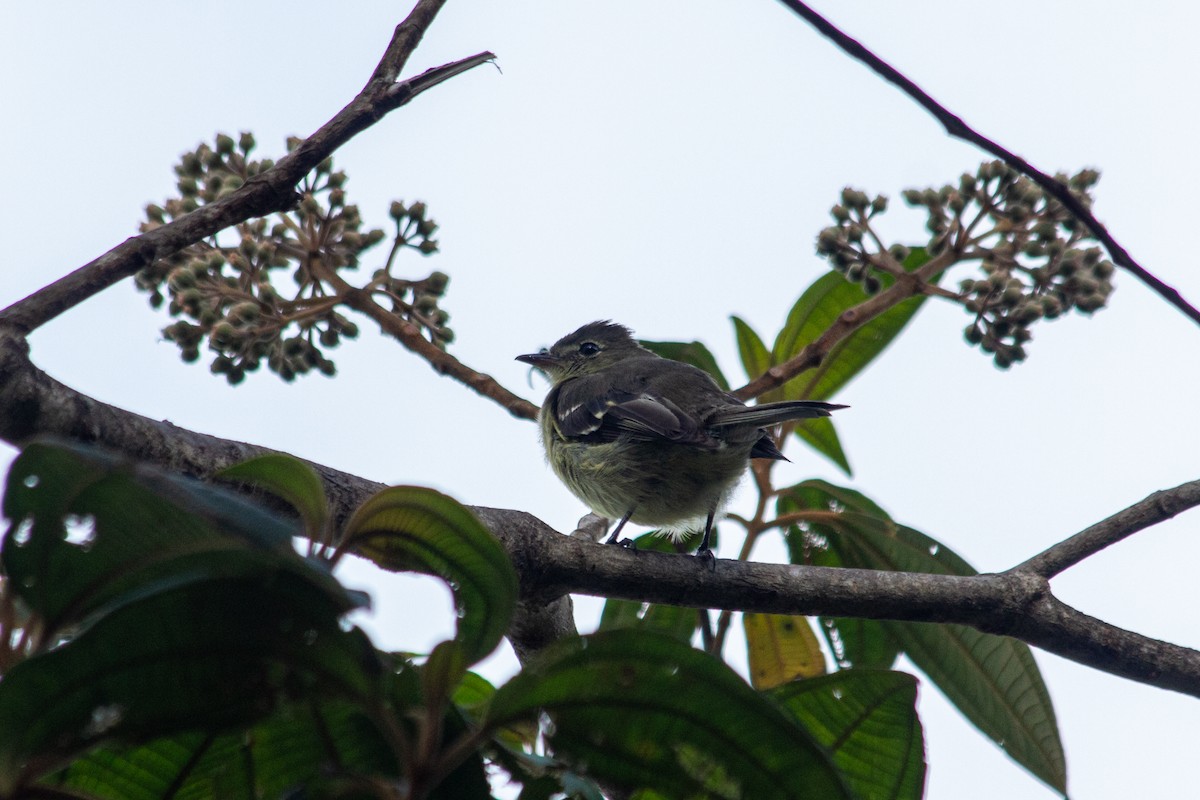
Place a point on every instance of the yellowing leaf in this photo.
(781, 648)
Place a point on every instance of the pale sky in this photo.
(667, 164)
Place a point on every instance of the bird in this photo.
(646, 439)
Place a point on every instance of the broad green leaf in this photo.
(694, 353)
(289, 479)
(868, 720)
(643, 710)
(859, 642)
(854, 642)
(817, 309)
(313, 745)
(202, 656)
(820, 434)
(993, 680)
(473, 692)
(674, 621)
(415, 529)
(756, 359)
(995, 683)
(813, 313)
(781, 648)
(91, 530)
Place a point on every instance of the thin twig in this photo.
(442, 362)
(955, 126)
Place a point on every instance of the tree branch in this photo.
(266, 193)
(955, 126)
(1156, 508)
(442, 362)
(552, 566)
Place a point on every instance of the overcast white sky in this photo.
(666, 164)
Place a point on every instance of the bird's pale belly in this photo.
(670, 484)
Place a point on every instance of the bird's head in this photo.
(592, 348)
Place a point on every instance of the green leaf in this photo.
(995, 683)
(817, 309)
(993, 680)
(694, 353)
(756, 359)
(868, 721)
(813, 313)
(820, 434)
(91, 530)
(644, 710)
(205, 655)
(415, 529)
(289, 479)
(319, 746)
(854, 642)
(441, 672)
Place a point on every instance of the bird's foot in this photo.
(708, 557)
(628, 544)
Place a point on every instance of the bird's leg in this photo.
(704, 551)
(615, 538)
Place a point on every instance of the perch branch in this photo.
(551, 566)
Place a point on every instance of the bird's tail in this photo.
(773, 413)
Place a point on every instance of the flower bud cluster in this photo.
(1036, 260)
(851, 245)
(267, 290)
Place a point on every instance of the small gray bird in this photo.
(639, 437)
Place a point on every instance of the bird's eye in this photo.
(589, 349)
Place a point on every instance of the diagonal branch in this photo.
(442, 362)
(955, 126)
(405, 38)
(1156, 508)
(266, 193)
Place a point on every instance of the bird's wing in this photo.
(584, 408)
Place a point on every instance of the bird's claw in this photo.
(709, 557)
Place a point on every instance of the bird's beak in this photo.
(540, 360)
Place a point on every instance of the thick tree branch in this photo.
(551, 566)
(955, 126)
